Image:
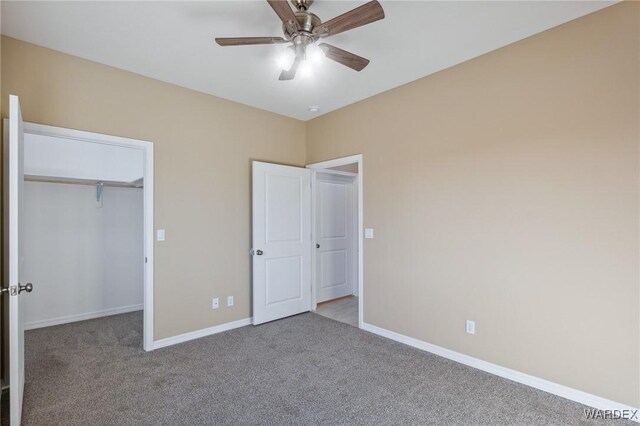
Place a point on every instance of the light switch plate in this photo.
(470, 327)
(368, 233)
(160, 235)
(230, 301)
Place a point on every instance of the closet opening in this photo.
(88, 227)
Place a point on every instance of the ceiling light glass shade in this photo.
(285, 58)
(314, 54)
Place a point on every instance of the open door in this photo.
(14, 182)
(336, 239)
(281, 241)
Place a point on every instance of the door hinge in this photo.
(145, 260)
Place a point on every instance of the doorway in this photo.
(337, 230)
(94, 247)
(291, 271)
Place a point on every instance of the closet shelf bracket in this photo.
(99, 188)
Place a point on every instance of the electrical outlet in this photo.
(471, 327)
(215, 303)
(230, 301)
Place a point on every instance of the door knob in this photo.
(259, 252)
(14, 290)
(317, 245)
(27, 287)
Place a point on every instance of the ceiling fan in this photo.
(303, 29)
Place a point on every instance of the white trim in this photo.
(147, 148)
(507, 373)
(314, 255)
(338, 172)
(360, 183)
(181, 338)
(81, 317)
(342, 161)
(356, 208)
(80, 135)
(149, 283)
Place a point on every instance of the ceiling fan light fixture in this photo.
(302, 29)
(313, 108)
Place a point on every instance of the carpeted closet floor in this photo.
(301, 370)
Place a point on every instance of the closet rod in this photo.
(90, 182)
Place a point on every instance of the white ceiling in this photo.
(173, 42)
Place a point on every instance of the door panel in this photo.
(14, 259)
(283, 200)
(333, 209)
(281, 241)
(335, 236)
(284, 276)
(334, 268)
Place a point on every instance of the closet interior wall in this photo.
(83, 234)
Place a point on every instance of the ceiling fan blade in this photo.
(283, 10)
(291, 72)
(343, 57)
(363, 15)
(245, 41)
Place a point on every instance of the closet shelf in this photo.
(92, 182)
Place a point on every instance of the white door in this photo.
(14, 180)
(281, 241)
(335, 236)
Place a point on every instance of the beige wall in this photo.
(505, 190)
(203, 148)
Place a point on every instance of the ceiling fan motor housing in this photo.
(307, 21)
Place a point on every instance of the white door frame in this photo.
(359, 183)
(147, 149)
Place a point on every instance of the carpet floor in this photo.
(301, 370)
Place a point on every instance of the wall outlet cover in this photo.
(230, 301)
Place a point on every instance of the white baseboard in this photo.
(81, 317)
(201, 333)
(516, 376)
